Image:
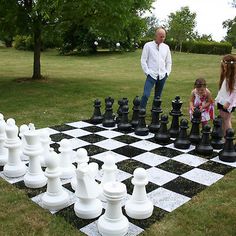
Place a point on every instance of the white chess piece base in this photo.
(35, 181)
(14, 171)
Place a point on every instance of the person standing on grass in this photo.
(226, 97)
(156, 63)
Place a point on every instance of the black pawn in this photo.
(204, 147)
(142, 129)
(217, 135)
(156, 110)
(108, 120)
(124, 124)
(134, 121)
(97, 116)
(194, 135)
(228, 154)
(175, 113)
(121, 103)
(183, 142)
(163, 136)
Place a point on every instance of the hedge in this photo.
(201, 47)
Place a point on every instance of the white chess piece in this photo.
(3, 150)
(139, 206)
(34, 178)
(113, 222)
(31, 126)
(23, 129)
(67, 168)
(14, 166)
(87, 205)
(55, 197)
(45, 142)
(109, 169)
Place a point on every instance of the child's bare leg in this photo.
(226, 117)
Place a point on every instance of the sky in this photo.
(210, 14)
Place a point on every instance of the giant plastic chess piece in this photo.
(113, 222)
(87, 205)
(194, 135)
(55, 197)
(156, 111)
(3, 150)
(175, 113)
(109, 169)
(108, 119)
(124, 124)
(34, 177)
(135, 116)
(163, 136)
(228, 154)
(121, 102)
(97, 115)
(23, 129)
(142, 129)
(182, 141)
(45, 142)
(139, 206)
(67, 168)
(217, 141)
(14, 166)
(204, 147)
(31, 126)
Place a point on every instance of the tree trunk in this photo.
(37, 51)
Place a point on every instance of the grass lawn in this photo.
(67, 95)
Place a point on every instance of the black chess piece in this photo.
(124, 124)
(217, 135)
(109, 99)
(142, 129)
(97, 116)
(136, 106)
(228, 154)
(194, 135)
(175, 113)
(156, 110)
(163, 136)
(119, 111)
(108, 119)
(204, 147)
(182, 141)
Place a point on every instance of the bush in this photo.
(23, 42)
(201, 47)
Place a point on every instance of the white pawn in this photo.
(113, 222)
(23, 129)
(55, 197)
(109, 172)
(67, 168)
(81, 157)
(3, 150)
(34, 178)
(87, 205)
(139, 206)
(31, 126)
(45, 142)
(14, 166)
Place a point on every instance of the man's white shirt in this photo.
(156, 60)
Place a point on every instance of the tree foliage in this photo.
(230, 25)
(181, 25)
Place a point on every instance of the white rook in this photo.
(14, 166)
(34, 178)
(113, 222)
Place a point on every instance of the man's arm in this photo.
(168, 62)
(144, 58)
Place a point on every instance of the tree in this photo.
(152, 24)
(230, 25)
(181, 25)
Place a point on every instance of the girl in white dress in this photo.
(226, 97)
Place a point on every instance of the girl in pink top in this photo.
(226, 97)
(201, 98)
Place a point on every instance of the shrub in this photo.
(23, 42)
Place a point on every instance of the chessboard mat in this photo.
(175, 176)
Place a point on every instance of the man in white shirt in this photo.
(156, 63)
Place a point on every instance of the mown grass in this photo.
(67, 94)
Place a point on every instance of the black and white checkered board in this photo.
(175, 176)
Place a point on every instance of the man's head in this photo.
(160, 35)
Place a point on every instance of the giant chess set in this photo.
(113, 176)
